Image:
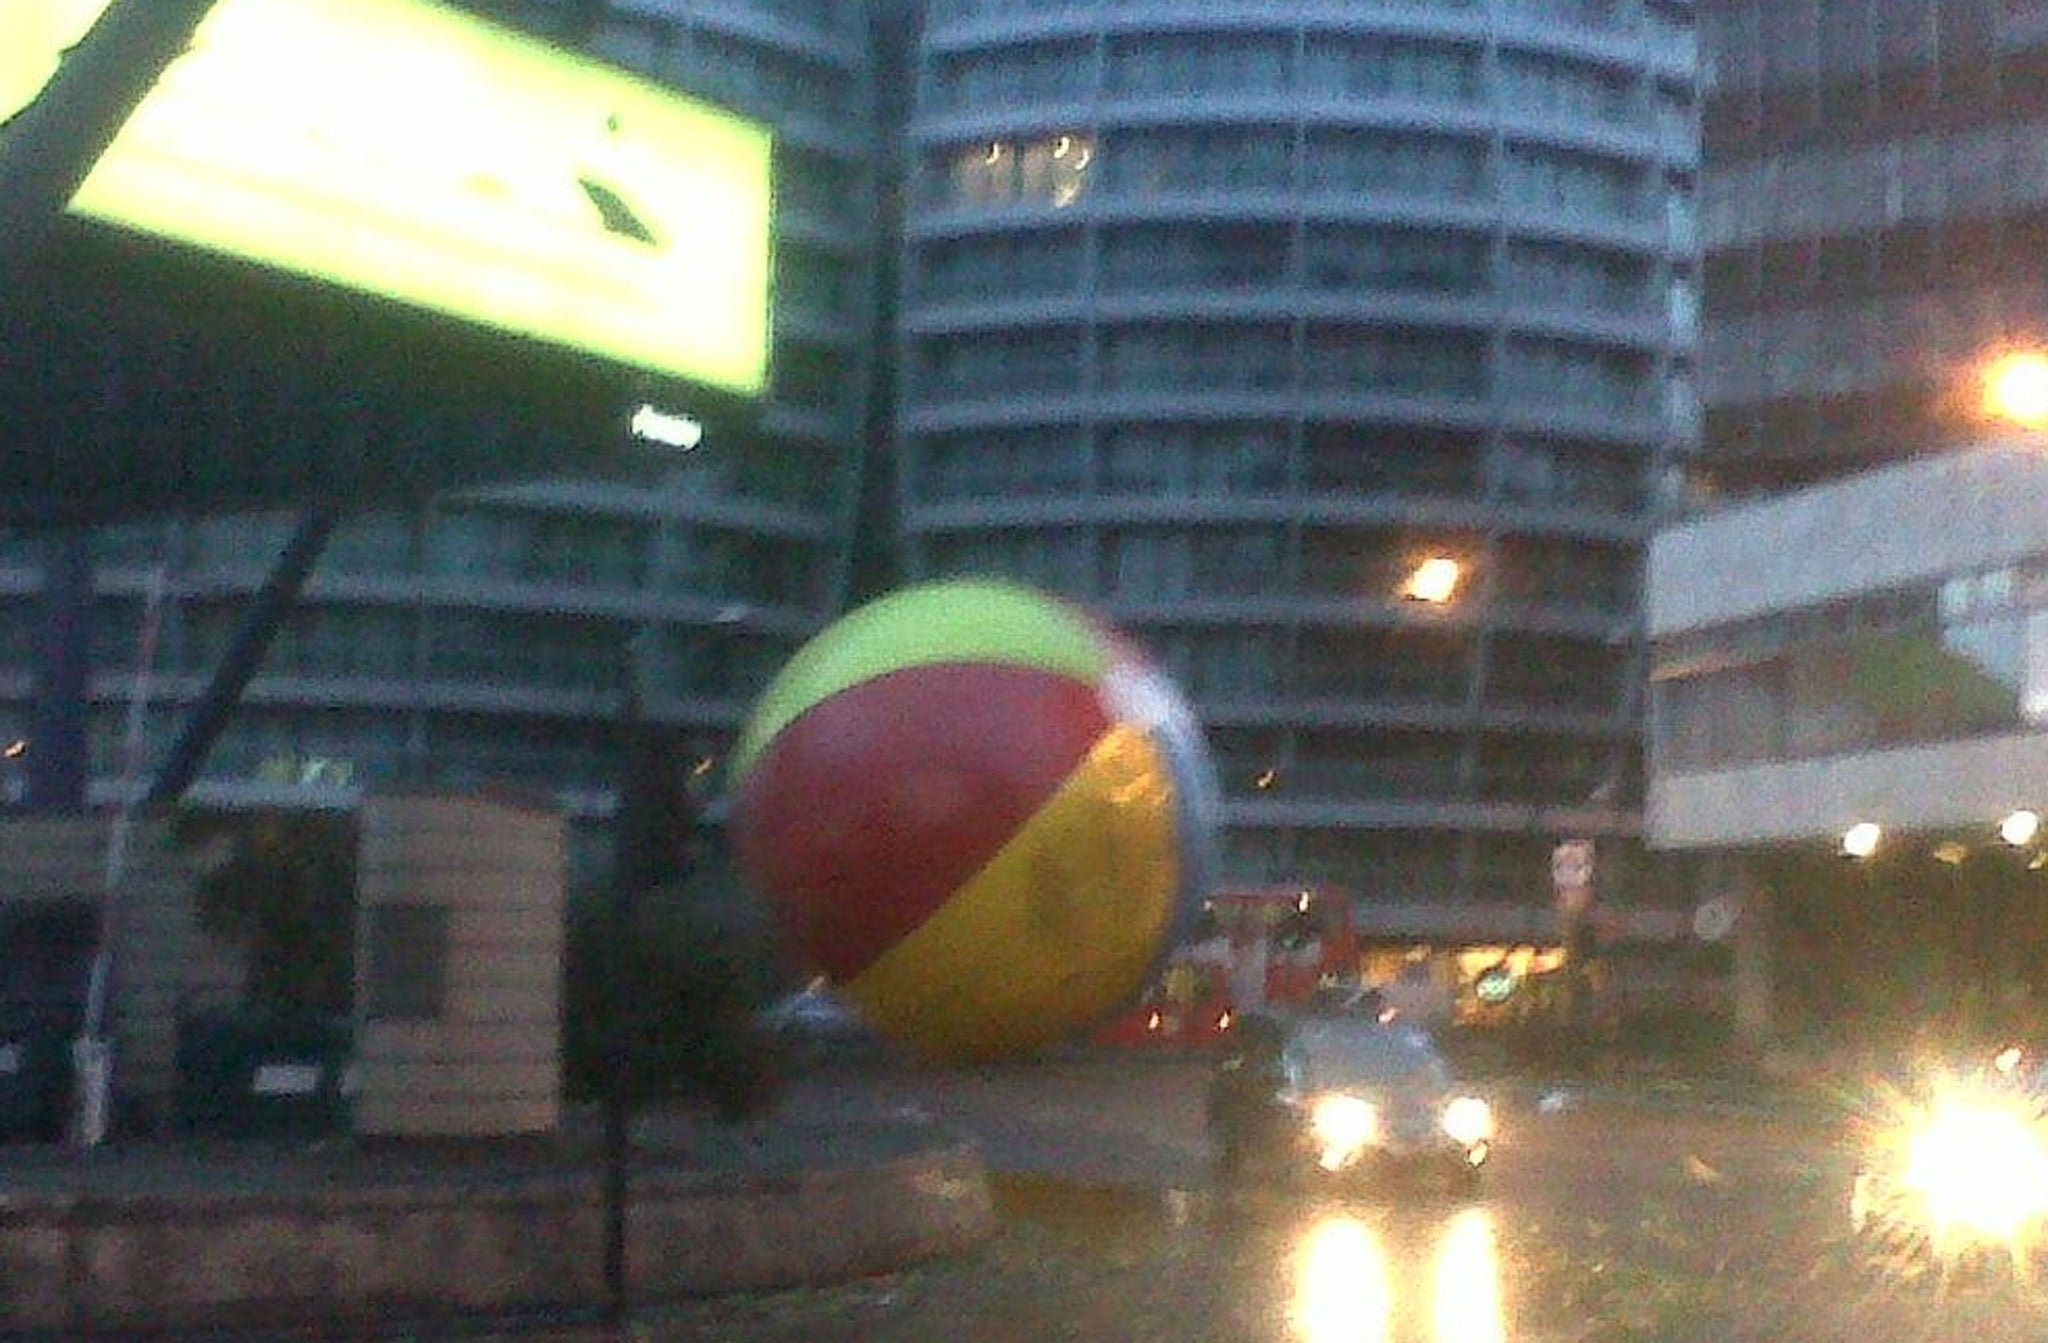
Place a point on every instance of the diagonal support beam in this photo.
(51, 145)
(238, 666)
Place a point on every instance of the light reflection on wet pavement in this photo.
(1593, 1226)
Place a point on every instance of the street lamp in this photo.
(1434, 581)
(1860, 840)
(2016, 388)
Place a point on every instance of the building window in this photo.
(1221, 665)
(1543, 769)
(1160, 257)
(1382, 361)
(811, 377)
(1053, 170)
(811, 280)
(760, 79)
(1579, 377)
(1169, 458)
(1411, 666)
(1563, 472)
(1196, 358)
(1541, 180)
(999, 363)
(1570, 91)
(1391, 260)
(1378, 164)
(1587, 279)
(1348, 67)
(991, 267)
(1204, 63)
(1338, 764)
(1015, 77)
(1375, 459)
(813, 184)
(1560, 575)
(1039, 462)
(1537, 673)
(1063, 564)
(1225, 158)
(1158, 563)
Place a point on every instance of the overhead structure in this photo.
(442, 253)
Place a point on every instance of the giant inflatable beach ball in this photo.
(979, 811)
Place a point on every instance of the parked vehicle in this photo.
(1342, 1096)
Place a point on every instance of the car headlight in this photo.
(1978, 1167)
(1468, 1120)
(1343, 1126)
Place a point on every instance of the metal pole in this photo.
(92, 1056)
(638, 747)
(56, 760)
(53, 141)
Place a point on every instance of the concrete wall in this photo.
(1916, 522)
(165, 963)
(1963, 784)
(330, 1252)
(489, 1061)
(1977, 507)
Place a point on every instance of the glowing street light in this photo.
(1861, 839)
(2020, 828)
(1435, 580)
(2016, 388)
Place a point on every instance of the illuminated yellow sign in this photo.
(408, 150)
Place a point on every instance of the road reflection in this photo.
(1345, 1277)
(1340, 1284)
(1305, 1269)
(1469, 1307)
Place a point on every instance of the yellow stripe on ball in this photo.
(1079, 899)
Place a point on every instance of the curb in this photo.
(378, 1250)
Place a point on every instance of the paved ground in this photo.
(1599, 1221)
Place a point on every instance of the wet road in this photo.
(1598, 1222)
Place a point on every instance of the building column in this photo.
(1731, 880)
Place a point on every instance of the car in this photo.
(1342, 1096)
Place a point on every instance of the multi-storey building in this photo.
(1227, 318)
(481, 639)
(1845, 669)
(1875, 214)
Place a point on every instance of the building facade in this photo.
(481, 639)
(1851, 740)
(1227, 319)
(1875, 210)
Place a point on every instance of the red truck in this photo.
(1255, 945)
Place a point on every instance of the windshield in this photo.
(1326, 1055)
